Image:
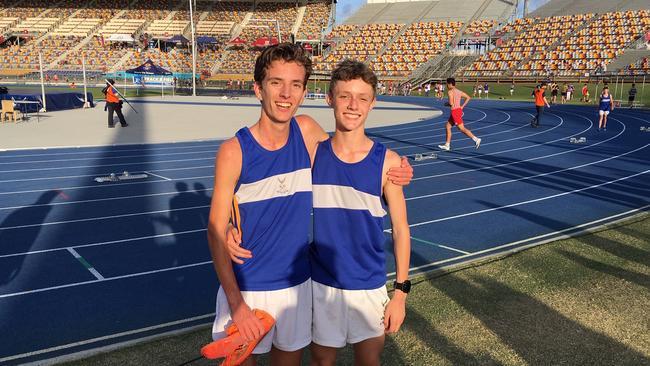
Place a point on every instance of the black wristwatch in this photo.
(405, 286)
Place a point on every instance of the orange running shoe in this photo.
(233, 347)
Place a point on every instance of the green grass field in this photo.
(581, 301)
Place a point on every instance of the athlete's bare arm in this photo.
(227, 170)
(396, 309)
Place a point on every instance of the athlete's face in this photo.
(352, 101)
(282, 90)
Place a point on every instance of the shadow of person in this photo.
(21, 240)
(202, 199)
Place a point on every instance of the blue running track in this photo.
(84, 265)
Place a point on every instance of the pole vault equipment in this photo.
(121, 95)
(234, 348)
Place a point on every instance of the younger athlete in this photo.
(456, 118)
(604, 107)
(350, 301)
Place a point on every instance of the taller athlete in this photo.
(456, 117)
(263, 183)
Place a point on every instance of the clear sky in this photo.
(345, 8)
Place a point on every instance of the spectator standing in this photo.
(631, 95)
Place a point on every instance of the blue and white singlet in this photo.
(348, 247)
(272, 205)
(605, 103)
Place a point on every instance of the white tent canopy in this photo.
(117, 37)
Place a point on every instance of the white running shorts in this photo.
(347, 316)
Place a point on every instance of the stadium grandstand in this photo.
(401, 40)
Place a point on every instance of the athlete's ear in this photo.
(328, 99)
(258, 90)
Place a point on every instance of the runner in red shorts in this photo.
(456, 118)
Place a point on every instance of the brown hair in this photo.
(288, 52)
(350, 70)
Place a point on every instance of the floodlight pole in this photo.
(83, 69)
(193, 51)
(40, 64)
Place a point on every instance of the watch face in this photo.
(406, 286)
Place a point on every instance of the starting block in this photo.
(580, 140)
(430, 156)
(117, 178)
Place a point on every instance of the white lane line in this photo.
(489, 134)
(85, 263)
(156, 175)
(210, 262)
(102, 243)
(99, 174)
(529, 201)
(424, 123)
(492, 124)
(525, 178)
(102, 218)
(442, 127)
(439, 134)
(107, 186)
(439, 245)
(75, 284)
(103, 199)
(100, 157)
(105, 165)
(508, 150)
(526, 160)
(541, 239)
(106, 337)
(104, 151)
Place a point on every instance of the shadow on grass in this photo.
(637, 278)
(539, 334)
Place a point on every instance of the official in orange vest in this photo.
(540, 101)
(113, 104)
